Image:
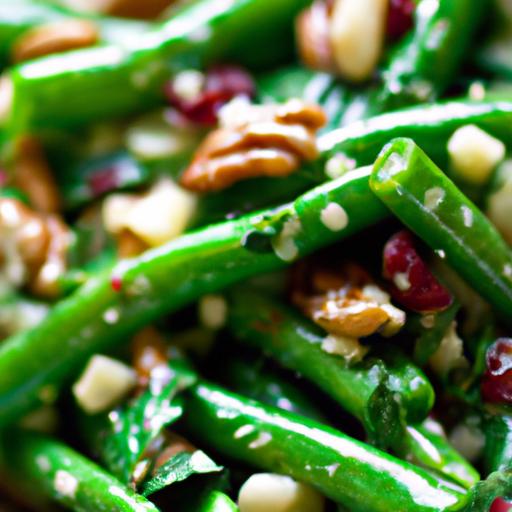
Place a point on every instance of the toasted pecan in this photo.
(55, 37)
(268, 140)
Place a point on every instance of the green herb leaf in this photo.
(179, 468)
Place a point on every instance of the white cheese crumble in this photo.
(284, 243)
(433, 197)
(65, 483)
(212, 311)
(349, 348)
(401, 280)
(265, 492)
(338, 165)
(334, 217)
(103, 383)
(450, 353)
(474, 154)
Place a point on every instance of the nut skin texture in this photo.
(56, 37)
(273, 142)
(336, 299)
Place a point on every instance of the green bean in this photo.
(116, 302)
(498, 442)
(295, 343)
(117, 80)
(403, 178)
(348, 471)
(50, 467)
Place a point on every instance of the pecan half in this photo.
(33, 247)
(55, 37)
(32, 175)
(254, 141)
(346, 302)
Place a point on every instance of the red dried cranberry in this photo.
(400, 18)
(116, 283)
(497, 380)
(103, 180)
(500, 505)
(413, 285)
(222, 83)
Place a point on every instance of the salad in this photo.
(255, 255)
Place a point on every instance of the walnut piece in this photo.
(347, 303)
(33, 247)
(55, 37)
(254, 141)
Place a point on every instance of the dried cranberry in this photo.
(222, 83)
(497, 380)
(413, 285)
(500, 505)
(103, 181)
(116, 283)
(400, 18)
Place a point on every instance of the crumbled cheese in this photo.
(65, 483)
(474, 154)
(188, 84)
(103, 383)
(284, 244)
(396, 320)
(450, 353)
(356, 33)
(160, 215)
(334, 217)
(433, 197)
(349, 348)
(468, 440)
(213, 310)
(264, 492)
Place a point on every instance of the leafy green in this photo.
(179, 468)
(132, 428)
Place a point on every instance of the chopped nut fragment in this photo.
(149, 352)
(33, 247)
(255, 140)
(55, 37)
(33, 176)
(346, 303)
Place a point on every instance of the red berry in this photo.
(496, 384)
(222, 83)
(500, 505)
(400, 18)
(413, 285)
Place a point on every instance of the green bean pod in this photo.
(135, 292)
(348, 471)
(404, 178)
(117, 80)
(296, 343)
(55, 470)
(426, 61)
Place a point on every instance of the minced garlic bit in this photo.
(450, 353)
(433, 197)
(264, 492)
(357, 31)
(155, 217)
(103, 383)
(213, 310)
(254, 141)
(474, 154)
(65, 483)
(334, 217)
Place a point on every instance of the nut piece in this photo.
(254, 141)
(149, 352)
(33, 247)
(357, 31)
(33, 175)
(55, 37)
(145, 9)
(312, 28)
(346, 303)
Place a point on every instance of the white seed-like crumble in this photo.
(334, 217)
